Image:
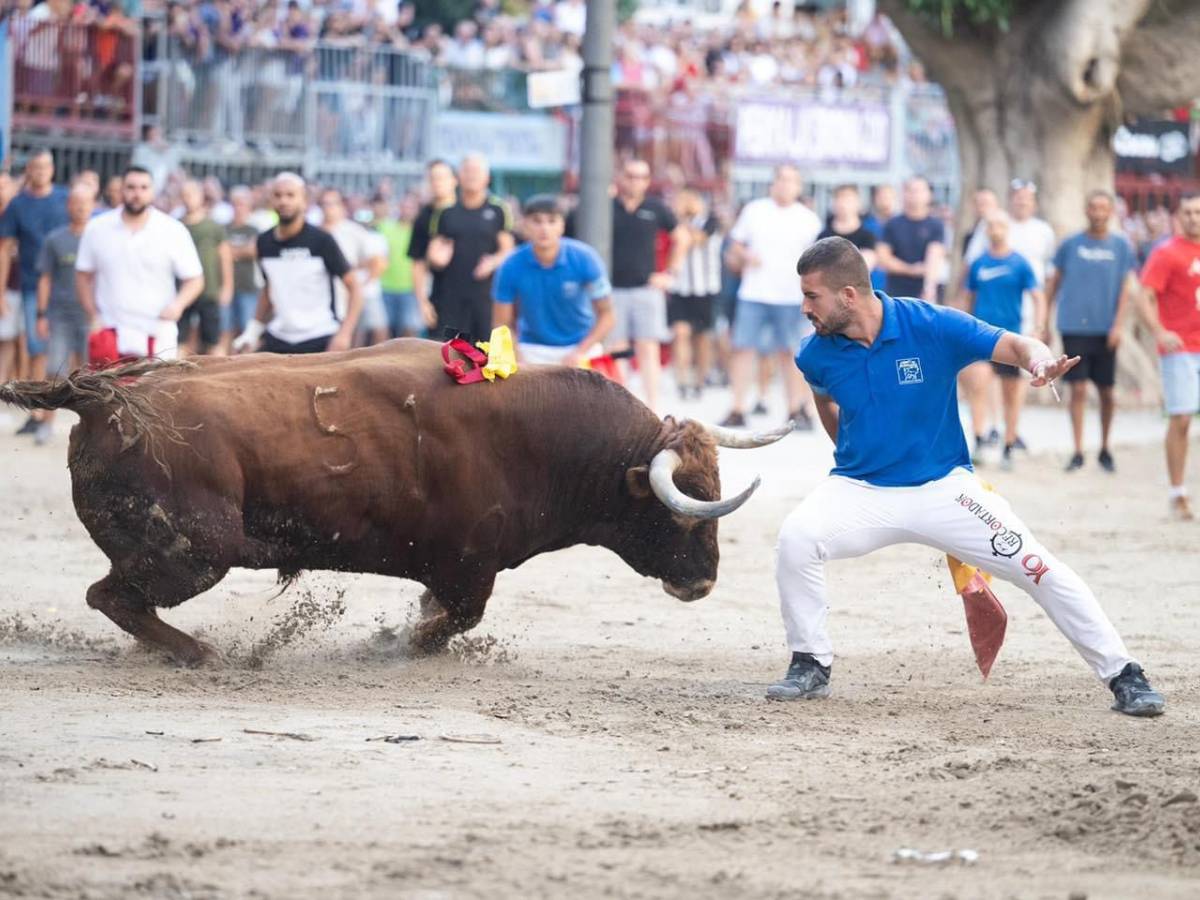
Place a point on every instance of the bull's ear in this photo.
(637, 480)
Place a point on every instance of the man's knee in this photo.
(800, 539)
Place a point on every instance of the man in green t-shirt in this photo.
(216, 262)
(241, 235)
(404, 313)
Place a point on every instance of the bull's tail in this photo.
(85, 388)
(136, 413)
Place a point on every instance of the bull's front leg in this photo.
(451, 607)
(458, 591)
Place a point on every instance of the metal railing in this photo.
(351, 106)
(75, 79)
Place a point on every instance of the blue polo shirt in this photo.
(999, 283)
(898, 424)
(554, 304)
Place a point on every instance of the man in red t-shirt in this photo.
(1171, 307)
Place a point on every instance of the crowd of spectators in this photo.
(784, 45)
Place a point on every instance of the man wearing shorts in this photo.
(639, 304)
(200, 326)
(769, 235)
(885, 374)
(1094, 274)
(1171, 307)
(39, 208)
(996, 284)
(556, 291)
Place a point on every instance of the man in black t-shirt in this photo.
(913, 246)
(443, 185)
(297, 311)
(846, 222)
(639, 302)
(469, 241)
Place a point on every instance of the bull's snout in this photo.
(693, 590)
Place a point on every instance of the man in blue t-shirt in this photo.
(40, 208)
(885, 372)
(1094, 277)
(996, 284)
(558, 286)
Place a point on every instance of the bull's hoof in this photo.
(427, 641)
(198, 654)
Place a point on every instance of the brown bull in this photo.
(374, 461)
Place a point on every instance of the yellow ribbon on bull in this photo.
(962, 573)
(502, 357)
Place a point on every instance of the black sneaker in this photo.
(29, 427)
(1075, 463)
(1134, 695)
(801, 421)
(1106, 461)
(760, 409)
(734, 420)
(806, 679)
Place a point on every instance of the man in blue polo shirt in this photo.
(884, 372)
(559, 289)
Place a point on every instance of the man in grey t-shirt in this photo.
(1094, 277)
(60, 319)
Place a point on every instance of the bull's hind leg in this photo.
(126, 601)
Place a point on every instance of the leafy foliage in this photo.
(445, 12)
(948, 13)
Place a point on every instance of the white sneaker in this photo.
(1181, 509)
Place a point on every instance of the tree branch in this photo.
(1160, 67)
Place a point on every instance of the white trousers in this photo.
(843, 518)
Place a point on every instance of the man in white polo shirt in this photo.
(126, 271)
(297, 308)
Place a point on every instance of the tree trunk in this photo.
(1042, 100)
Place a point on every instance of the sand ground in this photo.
(608, 740)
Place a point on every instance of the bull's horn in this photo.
(662, 482)
(741, 440)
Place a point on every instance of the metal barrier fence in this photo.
(75, 79)
(370, 108)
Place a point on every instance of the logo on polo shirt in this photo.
(570, 288)
(908, 371)
(1194, 268)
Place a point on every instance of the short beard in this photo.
(135, 210)
(835, 324)
(287, 220)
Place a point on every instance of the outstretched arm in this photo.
(1033, 356)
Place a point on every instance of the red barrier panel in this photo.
(74, 78)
